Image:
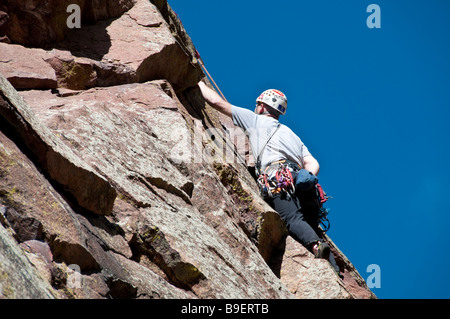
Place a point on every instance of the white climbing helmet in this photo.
(275, 99)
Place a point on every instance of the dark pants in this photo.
(300, 227)
(304, 228)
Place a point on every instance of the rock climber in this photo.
(274, 143)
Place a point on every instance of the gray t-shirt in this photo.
(284, 144)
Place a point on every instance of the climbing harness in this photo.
(267, 186)
(284, 179)
(281, 181)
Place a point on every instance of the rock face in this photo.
(117, 180)
(41, 23)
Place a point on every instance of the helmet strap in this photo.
(267, 112)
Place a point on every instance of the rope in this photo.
(197, 55)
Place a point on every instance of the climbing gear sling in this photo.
(258, 158)
(282, 181)
(323, 212)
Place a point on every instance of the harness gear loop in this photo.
(282, 181)
(284, 178)
(266, 186)
(322, 195)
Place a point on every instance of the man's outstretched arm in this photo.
(214, 99)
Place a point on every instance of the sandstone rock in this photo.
(115, 130)
(255, 217)
(137, 281)
(25, 68)
(26, 228)
(93, 244)
(40, 256)
(41, 23)
(150, 241)
(71, 72)
(137, 47)
(18, 278)
(89, 190)
(308, 277)
(187, 221)
(352, 280)
(131, 138)
(4, 17)
(38, 248)
(24, 190)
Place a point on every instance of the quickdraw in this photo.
(284, 178)
(282, 181)
(323, 212)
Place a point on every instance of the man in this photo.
(271, 143)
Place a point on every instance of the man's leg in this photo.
(290, 212)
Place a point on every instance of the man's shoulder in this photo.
(286, 128)
(241, 111)
(243, 117)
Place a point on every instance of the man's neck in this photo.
(269, 115)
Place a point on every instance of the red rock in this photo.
(308, 277)
(137, 47)
(39, 248)
(25, 68)
(46, 20)
(88, 189)
(19, 278)
(72, 72)
(26, 228)
(128, 133)
(187, 222)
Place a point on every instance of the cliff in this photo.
(117, 180)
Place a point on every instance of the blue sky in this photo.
(372, 105)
